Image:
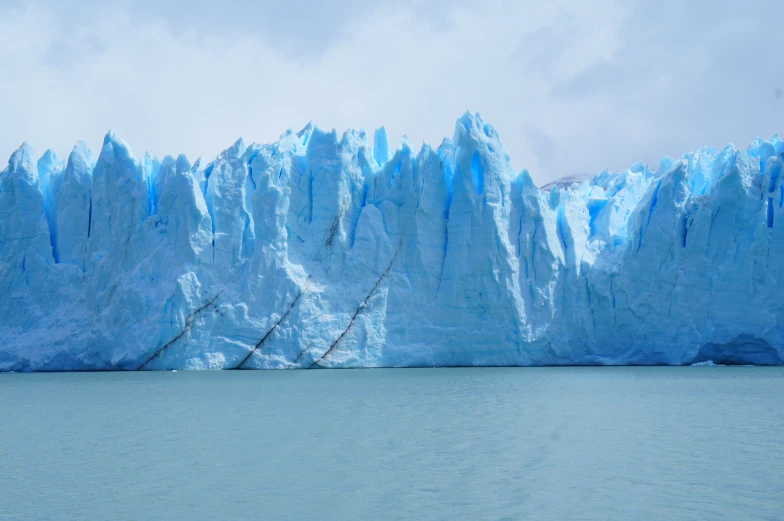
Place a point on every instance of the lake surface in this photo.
(548, 444)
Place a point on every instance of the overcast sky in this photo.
(573, 86)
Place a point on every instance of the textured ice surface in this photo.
(321, 250)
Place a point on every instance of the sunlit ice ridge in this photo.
(320, 251)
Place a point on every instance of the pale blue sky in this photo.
(571, 86)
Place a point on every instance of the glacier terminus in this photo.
(324, 250)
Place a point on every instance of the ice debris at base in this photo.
(321, 250)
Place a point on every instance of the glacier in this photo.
(323, 250)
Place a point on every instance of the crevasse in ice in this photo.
(321, 250)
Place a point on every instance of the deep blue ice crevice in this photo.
(50, 177)
(90, 219)
(562, 225)
(595, 206)
(770, 212)
(152, 171)
(478, 172)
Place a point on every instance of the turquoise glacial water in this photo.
(683, 443)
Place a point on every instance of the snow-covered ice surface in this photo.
(322, 250)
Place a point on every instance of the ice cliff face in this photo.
(322, 250)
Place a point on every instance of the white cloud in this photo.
(561, 82)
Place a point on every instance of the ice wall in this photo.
(321, 250)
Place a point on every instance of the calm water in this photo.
(550, 444)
